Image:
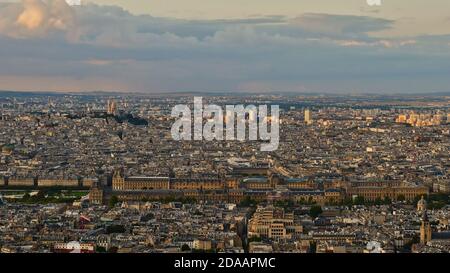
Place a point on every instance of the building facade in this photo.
(273, 223)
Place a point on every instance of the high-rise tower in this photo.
(308, 118)
(111, 107)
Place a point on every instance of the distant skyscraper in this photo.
(308, 119)
(111, 107)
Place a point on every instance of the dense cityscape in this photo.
(100, 172)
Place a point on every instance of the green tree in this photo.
(312, 247)
(113, 201)
(378, 201)
(347, 202)
(40, 195)
(26, 197)
(359, 200)
(401, 198)
(436, 205)
(147, 217)
(115, 229)
(254, 239)
(247, 202)
(100, 249)
(315, 211)
(185, 247)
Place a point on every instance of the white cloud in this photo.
(35, 18)
(376, 43)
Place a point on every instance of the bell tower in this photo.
(425, 229)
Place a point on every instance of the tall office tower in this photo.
(111, 107)
(308, 119)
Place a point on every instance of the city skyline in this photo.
(103, 173)
(217, 46)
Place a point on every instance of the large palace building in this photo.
(259, 184)
(121, 183)
(393, 190)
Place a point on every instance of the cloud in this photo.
(112, 26)
(340, 25)
(81, 47)
(35, 18)
(377, 43)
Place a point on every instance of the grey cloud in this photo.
(145, 53)
(336, 25)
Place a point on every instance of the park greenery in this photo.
(48, 196)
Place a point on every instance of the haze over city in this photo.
(219, 46)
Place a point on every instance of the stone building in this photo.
(273, 223)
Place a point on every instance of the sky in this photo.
(259, 46)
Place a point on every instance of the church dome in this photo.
(422, 205)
